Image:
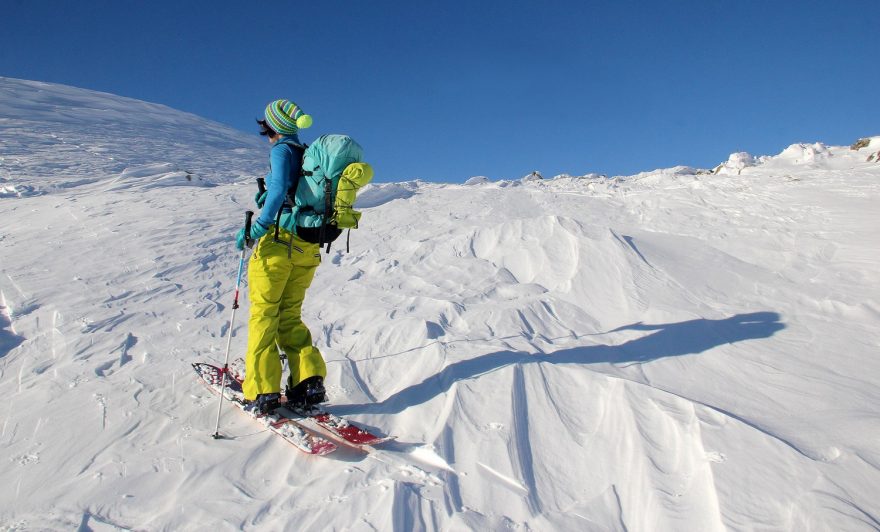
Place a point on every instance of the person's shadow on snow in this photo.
(666, 340)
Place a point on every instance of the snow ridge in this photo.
(674, 350)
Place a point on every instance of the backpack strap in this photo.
(328, 211)
(288, 200)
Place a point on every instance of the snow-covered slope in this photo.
(56, 138)
(676, 350)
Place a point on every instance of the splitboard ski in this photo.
(339, 427)
(317, 418)
(289, 429)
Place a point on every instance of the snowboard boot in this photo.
(307, 393)
(264, 404)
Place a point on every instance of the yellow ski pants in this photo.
(277, 286)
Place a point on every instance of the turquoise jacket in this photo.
(285, 167)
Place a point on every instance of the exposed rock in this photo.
(861, 143)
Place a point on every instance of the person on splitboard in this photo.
(278, 276)
(303, 206)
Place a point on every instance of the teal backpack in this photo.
(321, 205)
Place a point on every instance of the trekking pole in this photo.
(247, 232)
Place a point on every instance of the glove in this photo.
(260, 198)
(257, 231)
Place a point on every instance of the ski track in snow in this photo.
(675, 350)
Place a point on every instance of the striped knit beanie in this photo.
(286, 118)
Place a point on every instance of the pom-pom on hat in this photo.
(286, 118)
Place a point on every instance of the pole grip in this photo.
(248, 216)
(261, 184)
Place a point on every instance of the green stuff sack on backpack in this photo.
(353, 178)
(323, 202)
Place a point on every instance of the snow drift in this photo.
(675, 350)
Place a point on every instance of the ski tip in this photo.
(320, 449)
(370, 442)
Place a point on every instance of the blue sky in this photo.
(444, 91)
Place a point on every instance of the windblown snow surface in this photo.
(676, 350)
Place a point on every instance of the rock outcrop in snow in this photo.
(735, 164)
(869, 145)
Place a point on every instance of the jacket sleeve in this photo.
(285, 166)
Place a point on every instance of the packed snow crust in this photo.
(676, 350)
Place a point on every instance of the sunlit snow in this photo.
(682, 349)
